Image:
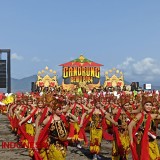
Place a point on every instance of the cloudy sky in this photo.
(120, 33)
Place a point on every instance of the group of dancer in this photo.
(47, 123)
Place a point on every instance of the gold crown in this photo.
(146, 99)
(27, 98)
(49, 98)
(40, 99)
(57, 103)
(124, 99)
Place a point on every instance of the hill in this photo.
(24, 84)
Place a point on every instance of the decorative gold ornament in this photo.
(114, 79)
(117, 71)
(54, 72)
(46, 80)
(81, 58)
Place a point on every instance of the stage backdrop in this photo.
(80, 70)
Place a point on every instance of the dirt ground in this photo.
(73, 153)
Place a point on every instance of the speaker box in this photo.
(133, 86)
(137, 85)
(33, 87)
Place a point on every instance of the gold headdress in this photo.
(27, 98)
(40, 99)
(147, 99)
(49, 98)
(57, 103)
(124, 99)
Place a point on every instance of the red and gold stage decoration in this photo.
(46, 78)
(114, 78)
(81, 71)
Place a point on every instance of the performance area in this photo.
(81, 118)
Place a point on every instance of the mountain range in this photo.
(25, 84)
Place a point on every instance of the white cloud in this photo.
(146, 69)
(16, 56)
(146, 64)
(35, 59)
(126, 63)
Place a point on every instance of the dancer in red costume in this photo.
(51, 134)
(141, 132)
(97, 127)
(75, 134)
(123, 115)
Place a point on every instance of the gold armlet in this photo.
(135, 119)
